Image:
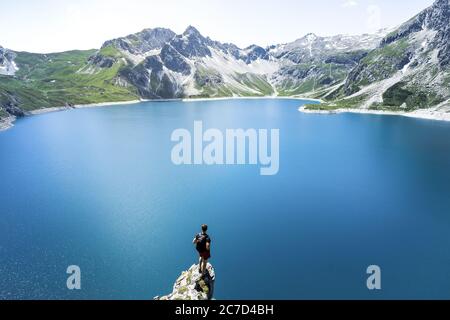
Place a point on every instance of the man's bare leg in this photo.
(204, 264)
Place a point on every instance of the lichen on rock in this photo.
(192, 285)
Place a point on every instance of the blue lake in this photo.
(96, 188)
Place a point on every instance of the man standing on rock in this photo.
(203, 245)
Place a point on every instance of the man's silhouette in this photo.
(203, 245)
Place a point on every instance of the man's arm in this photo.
(208, 246)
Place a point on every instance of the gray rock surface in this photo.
(191, 285)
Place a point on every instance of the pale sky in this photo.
(59, 25)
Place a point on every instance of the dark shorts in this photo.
(205, 255)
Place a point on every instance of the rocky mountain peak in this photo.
(311, 37)
(442, 3)
(433, 19)
(157, 36)
(255, 52)
(142, 42)
(313, 48)
(192, 44)
(192, 31)
(437, 17)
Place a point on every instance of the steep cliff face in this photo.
(191, 285)
(437, 18)
(410, 69)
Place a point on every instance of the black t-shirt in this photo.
(202, 239)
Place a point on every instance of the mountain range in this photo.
(405, 69)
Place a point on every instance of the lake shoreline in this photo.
(426, 114)
(8, 122)
(249, 98)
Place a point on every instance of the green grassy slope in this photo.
(61, 79)
(210, 83)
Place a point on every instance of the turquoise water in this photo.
(96, 188)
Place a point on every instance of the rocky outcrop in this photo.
(174, 61)
(151, 80)
(6, 122)
(208, 79)
(7, 64)
(192, 285)
(102, 61)
(10, 104)
(436, 17)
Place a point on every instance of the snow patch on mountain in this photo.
(313, 47)
(229, 65)
(8, 66)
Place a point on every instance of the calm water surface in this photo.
(97, 188)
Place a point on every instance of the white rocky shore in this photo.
(6, 123)
(82, 106)
(429, 114)
(192, 285)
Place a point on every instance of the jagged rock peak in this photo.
(435, 21)
(158, 32)
(311, 37)
(255, 52)
(142, 42)
(191, 30)
(435, 17)
(192, 44)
